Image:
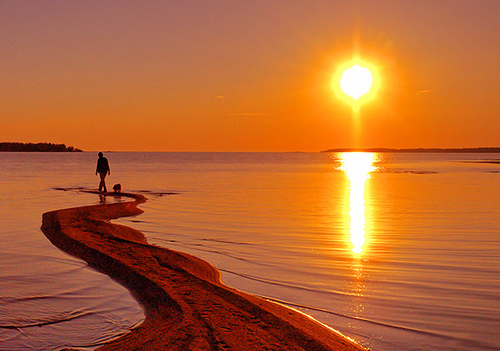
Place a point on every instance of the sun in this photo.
(356, 81)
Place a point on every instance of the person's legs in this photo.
(102, 184)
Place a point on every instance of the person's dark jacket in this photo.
(102, 165)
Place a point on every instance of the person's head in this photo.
(100, 154)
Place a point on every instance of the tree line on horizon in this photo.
(36, 147)
(422, 150)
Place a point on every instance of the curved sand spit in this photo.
(186, 305)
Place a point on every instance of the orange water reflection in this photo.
(357, 167)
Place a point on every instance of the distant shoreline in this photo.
(36, 147)
(51, 147)
(421, 150)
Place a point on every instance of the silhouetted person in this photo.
(103, 170)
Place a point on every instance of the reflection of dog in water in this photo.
(117, 188)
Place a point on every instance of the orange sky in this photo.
(247, 75)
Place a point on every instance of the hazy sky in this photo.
(247, 75)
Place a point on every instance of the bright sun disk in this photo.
(356, 81)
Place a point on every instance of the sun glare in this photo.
(357, 168)
(356, 81)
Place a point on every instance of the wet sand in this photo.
(186, 305)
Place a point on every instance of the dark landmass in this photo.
(422, 150)
(38, 147)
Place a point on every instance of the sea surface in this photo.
(397, 251)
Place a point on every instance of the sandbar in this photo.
(186, 305)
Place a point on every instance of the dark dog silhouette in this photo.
(117, 188)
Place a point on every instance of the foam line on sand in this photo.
(187, 307)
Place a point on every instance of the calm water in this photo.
(398, 251)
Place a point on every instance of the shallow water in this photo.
(398, 251)
(49, 300)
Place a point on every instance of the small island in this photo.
(38, 147)
(421, 150)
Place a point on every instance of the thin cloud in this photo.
(247, 114)
(423, 92)
(220, 96)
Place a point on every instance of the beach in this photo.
(186, 304)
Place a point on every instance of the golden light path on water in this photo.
(357, 167)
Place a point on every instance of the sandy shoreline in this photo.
(186, 304)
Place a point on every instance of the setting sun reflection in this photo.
(357, 167)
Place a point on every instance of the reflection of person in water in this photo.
(103, 170)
